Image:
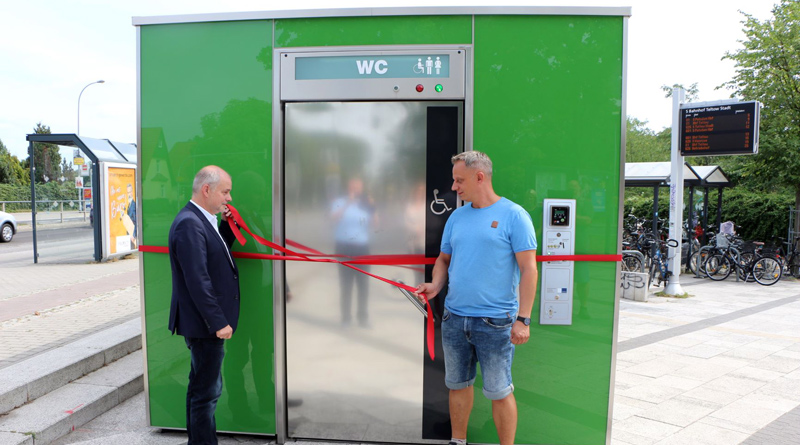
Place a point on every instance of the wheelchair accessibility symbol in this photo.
(438, 203)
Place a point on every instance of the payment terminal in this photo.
(558, 232)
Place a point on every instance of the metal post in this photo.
(719, 208)
(705, 213)
(689, 228)
(655, 211)
(33, 201)
(675, 198)
(98, 240)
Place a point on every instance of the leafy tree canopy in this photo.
(767, 68)
(47, 158)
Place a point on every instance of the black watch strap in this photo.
(525, 321)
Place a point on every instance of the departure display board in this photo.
(720, 129)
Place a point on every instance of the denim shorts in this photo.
(469, 340)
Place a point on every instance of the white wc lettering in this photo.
(366, 66)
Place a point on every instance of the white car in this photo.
(8, 227)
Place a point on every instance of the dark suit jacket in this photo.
(205, 280)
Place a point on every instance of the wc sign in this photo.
(366, 66)
(384, 66)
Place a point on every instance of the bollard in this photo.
(634, 286)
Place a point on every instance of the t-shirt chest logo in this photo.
(494, 224)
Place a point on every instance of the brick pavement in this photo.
(73, 300)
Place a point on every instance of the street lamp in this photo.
(79, 104)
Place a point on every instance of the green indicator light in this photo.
(438, 88)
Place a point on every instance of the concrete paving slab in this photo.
(57, 413)
(627, 438)
(743, 416)
(736, 385)
(700, 433)
(115, 342)
(677, 382)
(656, 368)
(680, 411)
(711, 395)
(37, 376)
(778, 363)
(124, 374)
(782, 387)
(651, 393)
(15, 439)
(651, 429)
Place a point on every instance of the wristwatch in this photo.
(524, 320)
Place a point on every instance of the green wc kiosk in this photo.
(307, 110)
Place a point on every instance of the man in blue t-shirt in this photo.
(488, 260)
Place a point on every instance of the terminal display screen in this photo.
(559, 216)
(719, 130)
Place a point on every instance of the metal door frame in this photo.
(278, 204)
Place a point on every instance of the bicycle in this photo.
(659, 272)
(764, 270)
(632, 260)
(699, 257)
(792, 258)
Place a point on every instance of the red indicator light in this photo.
(420, 88)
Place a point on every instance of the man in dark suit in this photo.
(205, 294)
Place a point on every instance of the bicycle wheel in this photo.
(794, 266)
(697, 259)
(631, 263)
(767, 271)
(718, 267)
(651, 276)
(743, 267)
(691, 265)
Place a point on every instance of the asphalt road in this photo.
(68, 243)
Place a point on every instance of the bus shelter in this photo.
(113, 191)
(702, 177)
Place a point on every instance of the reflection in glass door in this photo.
(355, 184)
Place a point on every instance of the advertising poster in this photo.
(121, 210)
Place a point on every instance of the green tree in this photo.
(767, 68)
(11, 170)
(46, 157)
(691, 93)
(645, 145)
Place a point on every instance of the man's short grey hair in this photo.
(206, 175)
(475, 159)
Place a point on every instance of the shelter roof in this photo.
(650, 174)
(98, 150)
(656, 174)
(711, 176)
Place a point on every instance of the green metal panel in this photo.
(360, 31)
(548, 104)
(206, 98)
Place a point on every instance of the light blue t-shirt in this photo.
(483, 274)
(353, 225)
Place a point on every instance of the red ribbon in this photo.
(236, 223)
(548, 258)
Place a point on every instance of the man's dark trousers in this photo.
(205, 388)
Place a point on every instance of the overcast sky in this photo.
(51, 49)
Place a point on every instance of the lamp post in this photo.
(79, 105)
